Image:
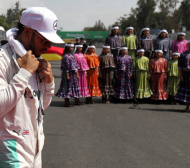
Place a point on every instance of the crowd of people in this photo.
(128, 68)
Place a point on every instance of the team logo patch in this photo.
(55, 25)
(26, 132)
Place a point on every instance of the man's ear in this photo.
(27, 31)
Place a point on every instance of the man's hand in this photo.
(28, 62)
(45, 70)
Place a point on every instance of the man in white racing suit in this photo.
(26, 88)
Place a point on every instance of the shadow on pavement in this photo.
(167, 110)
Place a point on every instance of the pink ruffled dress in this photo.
(83, 66)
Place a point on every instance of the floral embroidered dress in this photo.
(147, 44)
(69, 88)
(142, 87)
(107, 66)
(173, 77)
(124, 85)
(183, 93)
(92, 76)
(179, 46)
(164, 44)
(130, 42)
(115, 42)
(158, 70)
(83, 66)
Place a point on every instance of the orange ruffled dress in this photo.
(92, 77)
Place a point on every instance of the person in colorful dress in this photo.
(180, 44)
(173, 77)
(142, 87)
(158, 72)
(164, 43)
(130, 41)
(92, 74)
(69, 87)
(183, 93)
(123, 75)
(82, 71)
(106, 70)
(146, 42)
(114, 40)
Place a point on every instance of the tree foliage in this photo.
(11, 15)
(99, 26)
(168, 17)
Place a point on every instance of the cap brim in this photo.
(54, 38)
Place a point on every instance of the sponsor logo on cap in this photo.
(55, 25)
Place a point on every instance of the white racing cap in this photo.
(42, 20)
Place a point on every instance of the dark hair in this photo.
(103, 48)
(78, 44)
(178, 35)
(20, 28)
(112, 31)
(90, 45)
(66, 50)
(129, 29)
(120, 50)
(160, 33)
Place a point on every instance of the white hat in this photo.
(176, 53)
(146, 28)
(115, 27)
(158, 51)
(128, 29)
(42, 20)
(181, 33)
(106, 46)
(163, 31)
(92, 46)
(69, 45)
(140, 50)
(77, 46)
(122, 48)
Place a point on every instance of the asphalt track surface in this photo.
(115, 136)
